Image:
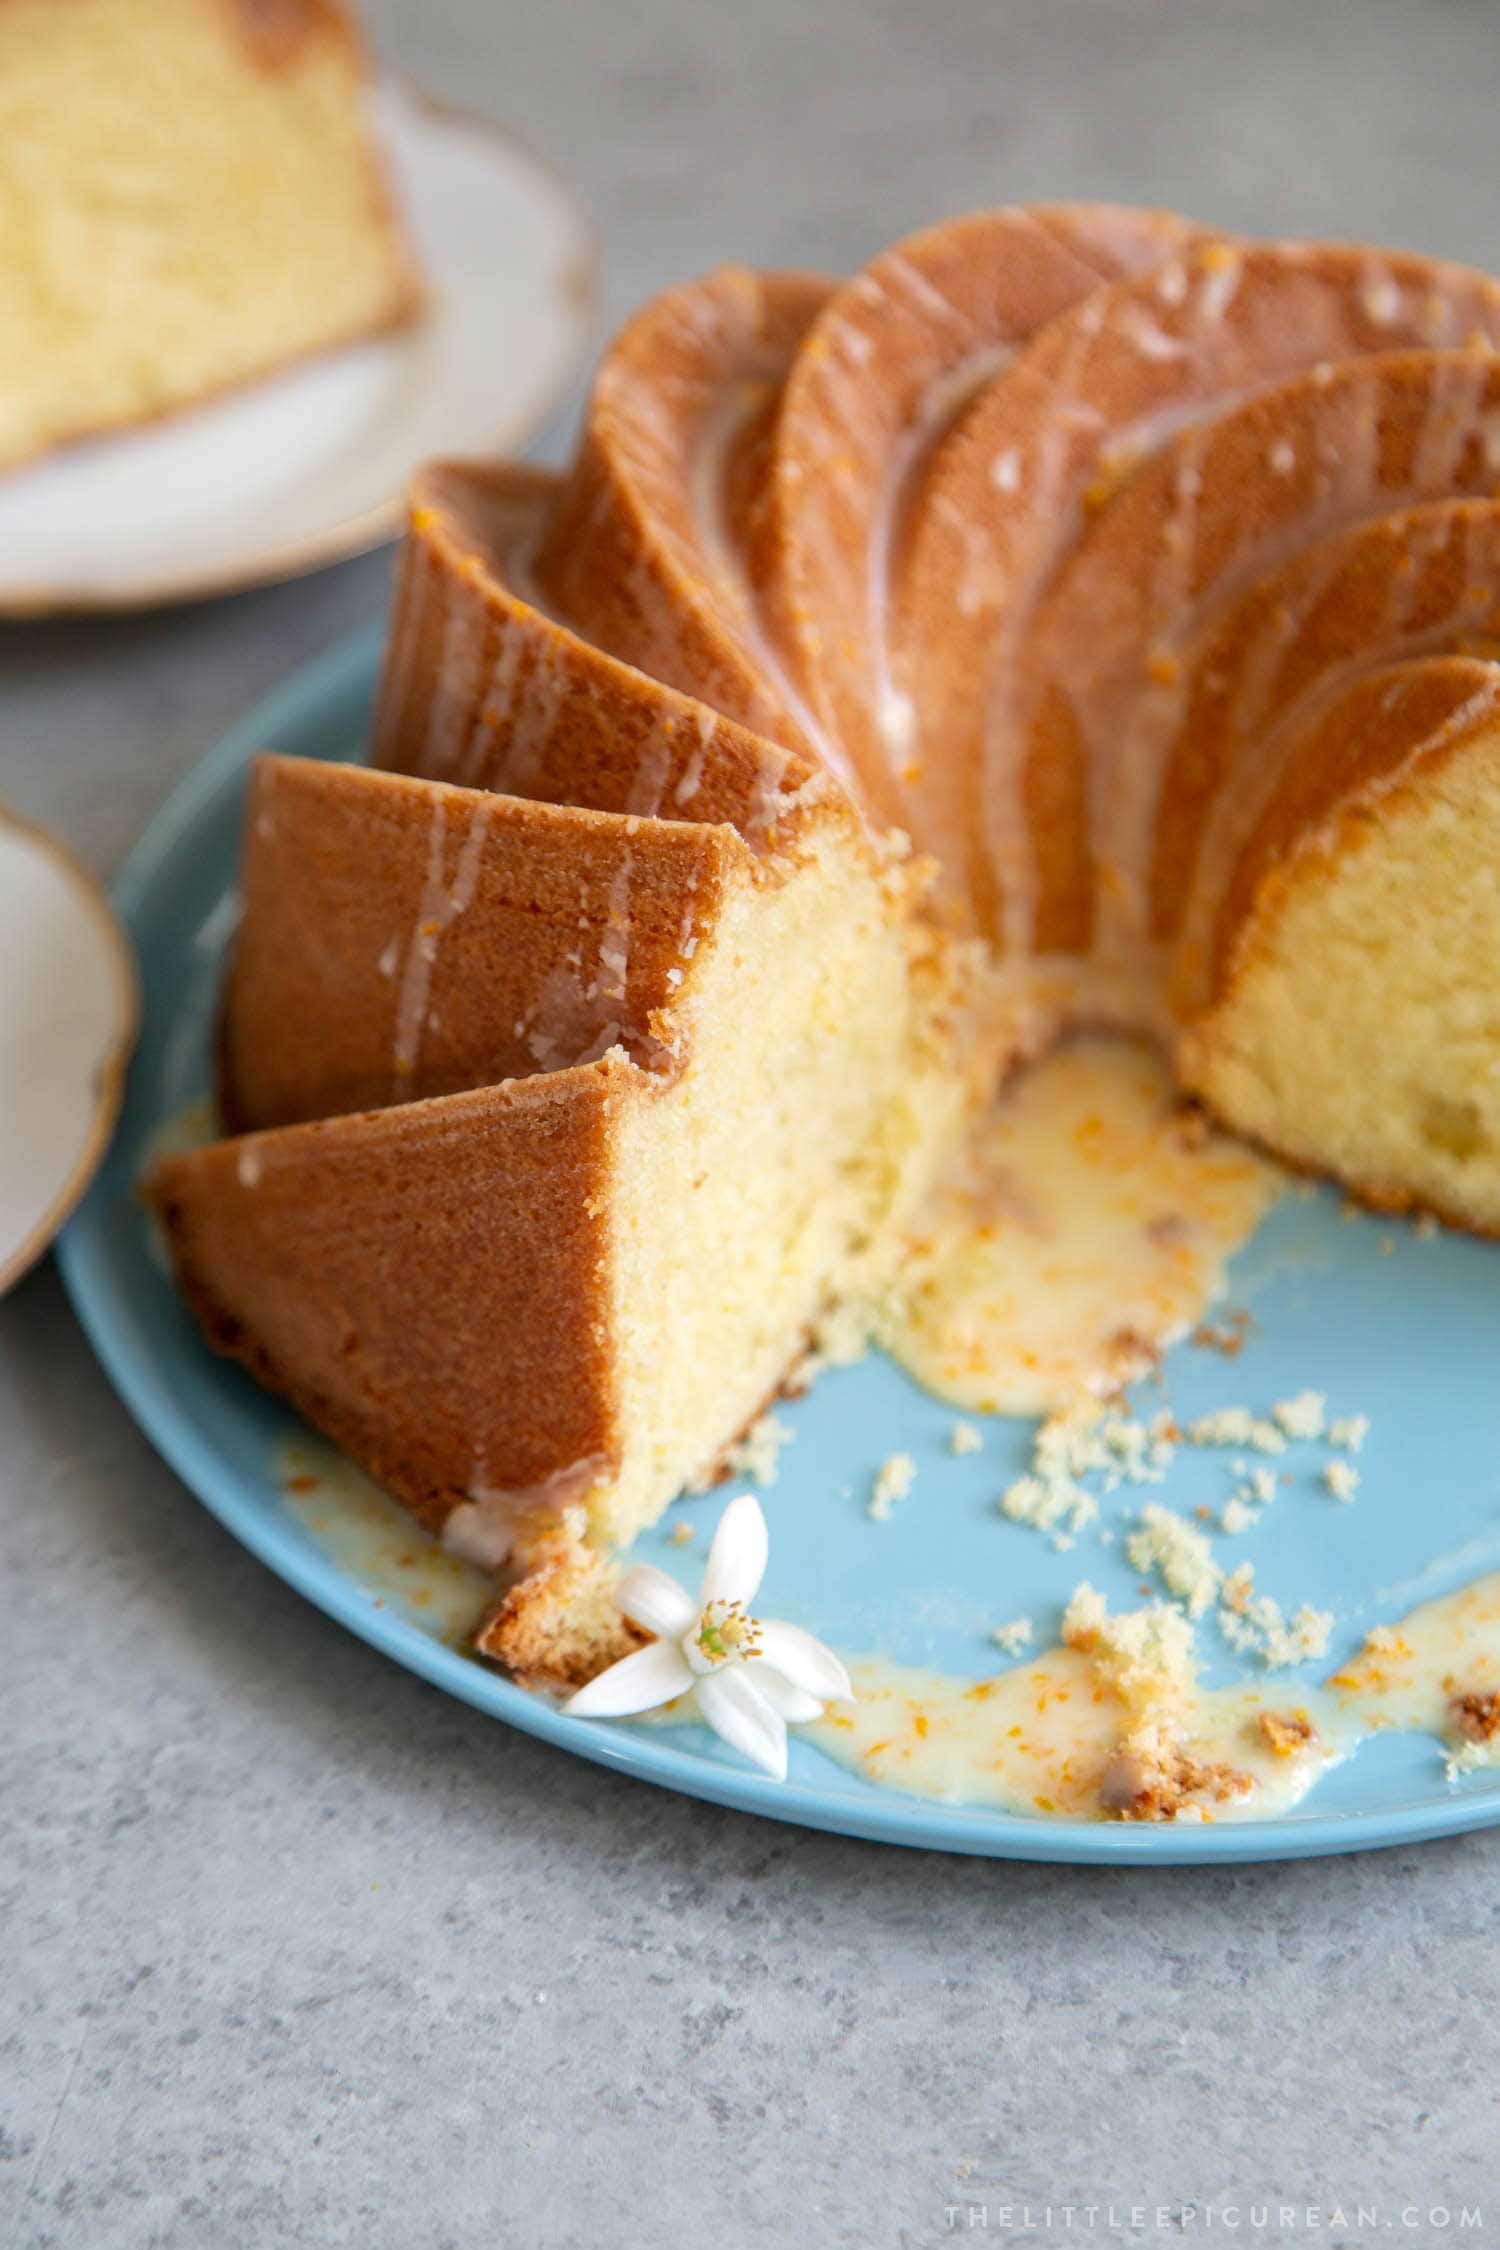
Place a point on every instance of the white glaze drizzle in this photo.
(438, 908)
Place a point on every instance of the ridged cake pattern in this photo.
(971, 535)
(1107, 559)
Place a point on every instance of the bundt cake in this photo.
(191, 200)
(1074, 617)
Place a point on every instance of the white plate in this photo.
(68, 1012)
(310, 466)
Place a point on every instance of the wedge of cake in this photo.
(190, 199)
(573, 1127)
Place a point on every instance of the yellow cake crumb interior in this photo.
(1301, 1052)
(762, 1183)
(153, 155)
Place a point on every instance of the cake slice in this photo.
(706, 1084)
(402, 938)
(190, 198)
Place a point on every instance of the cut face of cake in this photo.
(1355, 1017)
(1149, 582)
(191, 200)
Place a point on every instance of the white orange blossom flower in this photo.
(748, 1676)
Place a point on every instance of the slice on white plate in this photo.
(312, 464)
(68, 1012)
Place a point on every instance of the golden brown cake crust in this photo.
(404, 938)
(307, 1253)
(1401, 585)
(1097, 393)
(482, 687)
(888, 363)
(1105, 645)
(276, 31)
(558, 1625)
(380, 1248)
(622, 555)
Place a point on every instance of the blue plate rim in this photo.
(107, 1320)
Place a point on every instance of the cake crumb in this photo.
(840, 1337)
(1236, 1425)
(1168, 1543)
(1254, 1492)
(1285, 1733)
(1145, 1658)
(1303, 1416)
(1015, 1636)
(755, 1455)
(1470, 1757)
(1256, 1625)
(893, 1481)
(1152, 1775)
(681, 1533)
(1045, 1502)
(1342, 1480)
(1349, 1431)
(1475, 1720)
(964, 1438)
(1145, 1655)
(1477, 1716)
(1228, 1337)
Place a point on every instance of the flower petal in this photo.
(652, 1599)
(804, 1661)
(795, 1704)
(735, 1708)
(652, 1675)
(737, 1559)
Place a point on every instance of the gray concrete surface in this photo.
(297, 1952)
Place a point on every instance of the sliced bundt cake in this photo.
(591, 1049)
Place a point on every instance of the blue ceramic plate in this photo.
(1384, 1321)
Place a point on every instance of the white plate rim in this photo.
(109, 1085)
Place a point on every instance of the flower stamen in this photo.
(751, 1678)
(725, 1633)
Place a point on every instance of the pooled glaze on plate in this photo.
(1087, 1227)
(1039, 1737)
(1042, 1736)
(379, 1543)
